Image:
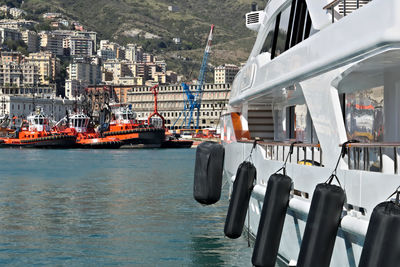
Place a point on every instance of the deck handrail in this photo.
(280, 143)
(376, 145)
(332, 4)
(360, 152)
(278, 151)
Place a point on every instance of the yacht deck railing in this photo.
(345, 6)
(377, 157)
(304, 154)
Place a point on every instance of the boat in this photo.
(174, 141)
(86, 137)
(314, 67)
(132, 133)
(36, 132)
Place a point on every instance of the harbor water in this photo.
(109, 207)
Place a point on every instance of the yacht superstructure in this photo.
(322, 73)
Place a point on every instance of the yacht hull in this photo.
(359, 189)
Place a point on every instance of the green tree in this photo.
(43, 26)
(23, 50)
(14, 45)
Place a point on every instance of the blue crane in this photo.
(193, 101)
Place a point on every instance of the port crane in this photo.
(192, 100)
(155, 112)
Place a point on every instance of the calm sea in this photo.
(109, 207)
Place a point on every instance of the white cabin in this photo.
(38, 121)
(79, 122)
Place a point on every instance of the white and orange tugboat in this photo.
(36, 132)
(133, 133)
(86, 137)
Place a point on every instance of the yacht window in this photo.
(290, 27)
(276, 32)
(307, 27)
(294, 122)
(298, 22)
(364, 115)
(290, 122)
(283, 31)
(267, 47)
(303, 128)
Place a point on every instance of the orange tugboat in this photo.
(132, 133)
(36, 132)
(86, 137)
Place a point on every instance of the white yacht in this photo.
(321, 72)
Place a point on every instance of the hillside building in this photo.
(9, 34)
(12, 56)
(51, 15)
(106, 54)
(16, 12)
(18, 74)
(48, 65)
(134, 53)
(81, 73)
(90, 35)
(173, 8)
(52, 42)
(80, 46)
(31, 39)
(17, 23)
(18, 77)
(225, 73)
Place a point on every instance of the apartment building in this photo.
(81, 73)
(225, 73)
(75, 88)
(16, 12)
(18, 76)
(120, 53)
(107, 45)
(31, 39)
(17, 23)
(80, 46)
(148, 58)
(48, 65)
(52, 42)
(90, 35)
(9, 34)
(134, 53)
(13, 74)
(106, 54)
(12, 56)
(118, 68)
